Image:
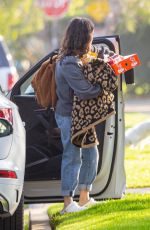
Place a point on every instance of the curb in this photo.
(39, 217)
(138, 190)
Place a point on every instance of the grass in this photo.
(130, 213)
(137, 168)
(137, 160)
(26, 218)
(132, 119)
(26, 222)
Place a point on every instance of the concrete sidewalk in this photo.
(138, 190)
(38, 217)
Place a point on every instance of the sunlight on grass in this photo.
(132, 119)
(137, 168)
(137, 160)
(26, 221)
(132, 212)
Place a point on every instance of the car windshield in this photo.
(4, 62)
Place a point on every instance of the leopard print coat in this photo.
(86, 114)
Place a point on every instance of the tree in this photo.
(96, 9)
(19, 18)
(135, 14)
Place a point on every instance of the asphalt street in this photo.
(138, 104)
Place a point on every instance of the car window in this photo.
(3, 56)
(26, 88)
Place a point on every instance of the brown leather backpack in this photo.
(44, 85)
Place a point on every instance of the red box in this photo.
(121, 64)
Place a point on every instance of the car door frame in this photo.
(15, 91)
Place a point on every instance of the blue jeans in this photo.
(79, 166)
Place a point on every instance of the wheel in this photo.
(14, 222)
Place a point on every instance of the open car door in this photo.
(43, 157)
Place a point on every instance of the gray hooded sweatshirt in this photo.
(69, 81)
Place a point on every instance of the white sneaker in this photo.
(90, 203)
(72, 207)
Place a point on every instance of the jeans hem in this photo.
(84, 186)
(68, 193)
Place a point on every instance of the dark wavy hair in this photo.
(77, 37)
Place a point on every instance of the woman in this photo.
(79, 166)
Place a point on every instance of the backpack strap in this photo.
(52, 125)
(51, 59)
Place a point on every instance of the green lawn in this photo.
(137, 161)
(26, 222)
(130, 213)
(132, 119)
(26, 217)
(137, 166)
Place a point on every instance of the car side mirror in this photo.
(129, 77)
(5, 128)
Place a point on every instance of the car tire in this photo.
(14, 222)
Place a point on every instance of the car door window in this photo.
(26, 88)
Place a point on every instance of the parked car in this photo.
(43, 155)
(8, 72)
(12, 165)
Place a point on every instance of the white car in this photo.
(8, 72)
(12, 164)
(44, 147)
